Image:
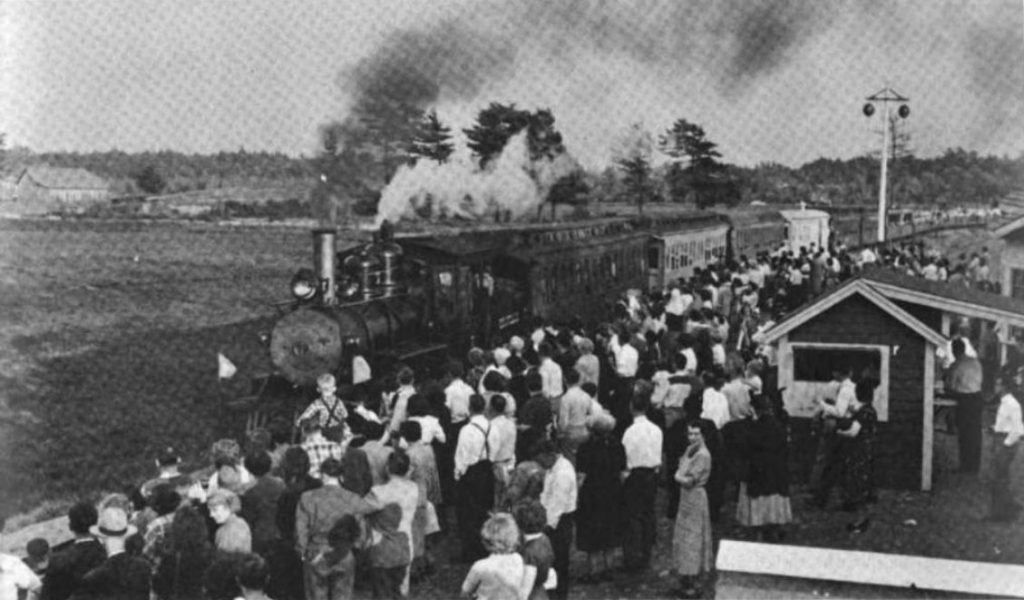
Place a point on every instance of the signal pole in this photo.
(887, 96)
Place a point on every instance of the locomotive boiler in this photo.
(358, 303)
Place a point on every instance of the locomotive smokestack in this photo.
(323, 264)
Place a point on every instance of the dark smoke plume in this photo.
(688, 55)
(449, 60)
(455, 58)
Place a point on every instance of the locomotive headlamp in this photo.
(303, 285)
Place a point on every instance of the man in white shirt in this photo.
(558, 498)
(474, 477)
(714, 404)
(456, 395)
(827, 460)
(1008, 430)
(550, 373)
(643, 445)
(626, 363)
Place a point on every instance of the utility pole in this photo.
(887, 96)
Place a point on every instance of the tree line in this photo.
(679, 165)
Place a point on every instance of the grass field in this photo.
(108, 341)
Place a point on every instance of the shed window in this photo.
(817, 364)
(810, 380)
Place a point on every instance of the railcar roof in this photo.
(752, 217)
(806, 213)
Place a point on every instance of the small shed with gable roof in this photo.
(855, 326)
(898, 325)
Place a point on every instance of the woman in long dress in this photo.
(692, 550)
(599, 522)
(764, 493)
(858, 483)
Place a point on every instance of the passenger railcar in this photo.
(754, 232)
(679, 245)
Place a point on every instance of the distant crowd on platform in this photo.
(563, 439)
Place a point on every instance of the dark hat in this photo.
(331, 467)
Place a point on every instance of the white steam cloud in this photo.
(511, 184)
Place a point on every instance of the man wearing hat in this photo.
(121, 576)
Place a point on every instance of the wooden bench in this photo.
(873, 568)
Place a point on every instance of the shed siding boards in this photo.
(899, 440)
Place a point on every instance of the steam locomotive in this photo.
(428, 296)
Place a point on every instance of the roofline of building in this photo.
(1007, 228)
(960, 307)
(865, 289)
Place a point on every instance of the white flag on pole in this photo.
(225, 368)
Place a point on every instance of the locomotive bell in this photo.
(869, 109)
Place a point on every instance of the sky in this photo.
(769, 80)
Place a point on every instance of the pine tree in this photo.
(432, 140)
(702, 173)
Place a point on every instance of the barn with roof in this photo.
(897, 327)
(42, 188)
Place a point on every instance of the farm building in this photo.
(897, 326)
(40, 189)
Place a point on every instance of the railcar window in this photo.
(652, 257)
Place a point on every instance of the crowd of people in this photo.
(508, 459)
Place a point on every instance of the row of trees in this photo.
(168, 172)
(359, 157)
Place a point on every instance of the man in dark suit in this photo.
(73, 559)
(121, 576)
